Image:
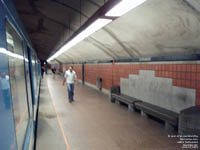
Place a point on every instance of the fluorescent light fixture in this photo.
(4, 51)
(26, 60)
(123, 7)
(96, 25)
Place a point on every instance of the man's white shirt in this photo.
(70, 76)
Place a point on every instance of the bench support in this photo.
(117, 101)
(112, 100)
(130, 108)
(143, 114)
(169, 127)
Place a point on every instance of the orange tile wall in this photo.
(183, 75)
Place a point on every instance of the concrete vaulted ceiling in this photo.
(50, 23)
(155, 28)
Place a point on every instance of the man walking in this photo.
(70, 78)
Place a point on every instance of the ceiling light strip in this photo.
(123, 7)
(96, 25)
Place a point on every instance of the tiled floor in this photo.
(91, 122)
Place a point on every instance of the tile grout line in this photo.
(58, 119)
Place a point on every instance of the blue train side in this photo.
(19, 82)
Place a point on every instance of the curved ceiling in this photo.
(155, 28)
(50, 23)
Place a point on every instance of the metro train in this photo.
(19, 82)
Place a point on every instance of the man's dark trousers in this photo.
(70, 88)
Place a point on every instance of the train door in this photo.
(30, 99)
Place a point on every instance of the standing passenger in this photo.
(42, 70)
(45, 69)
(71, 78)
(54, 72)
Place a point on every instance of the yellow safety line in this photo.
(59, 122)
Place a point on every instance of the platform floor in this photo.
(91, 122)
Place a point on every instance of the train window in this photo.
(28, 82)
(17, 82)
(34, 72)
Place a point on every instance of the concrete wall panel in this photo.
(158, 91)
(124, 84)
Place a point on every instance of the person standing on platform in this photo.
(42, 70)
(54, 71)
(70, 78)
(45, 68)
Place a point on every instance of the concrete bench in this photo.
(130, 101)
(170, 118)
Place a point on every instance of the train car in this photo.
(19, 82)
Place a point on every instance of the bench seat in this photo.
(170, 118)
(130, 101)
